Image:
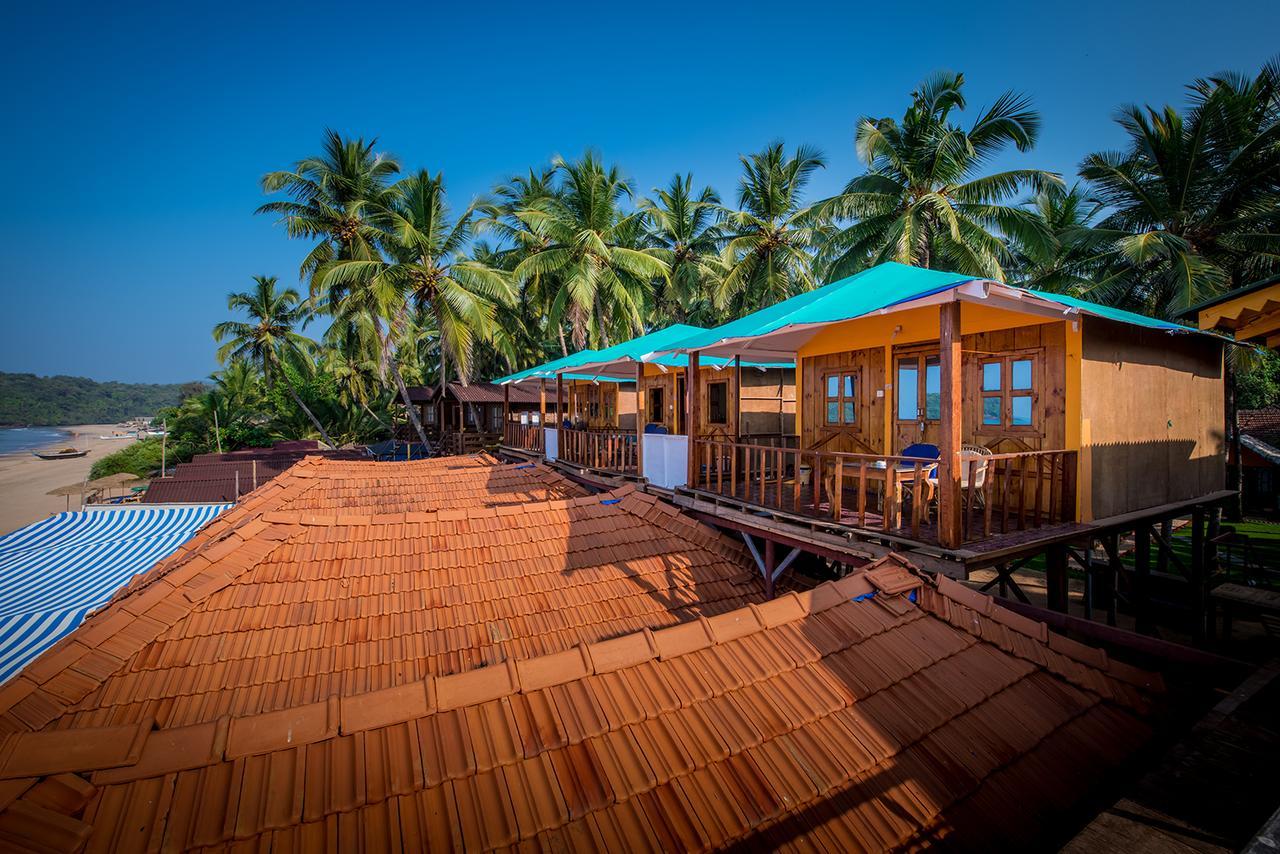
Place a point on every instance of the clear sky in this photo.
(137, 135)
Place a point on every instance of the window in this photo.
(919, 401)
(656, 410)
(718, 402)
(840, 400)
(1009, 392)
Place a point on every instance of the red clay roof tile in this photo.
(811, 721)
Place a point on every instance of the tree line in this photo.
(571, 254)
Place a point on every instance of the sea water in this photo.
(15, 440)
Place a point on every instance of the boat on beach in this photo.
(61, 454)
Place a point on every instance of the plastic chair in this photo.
(655, 429)
(978, 470)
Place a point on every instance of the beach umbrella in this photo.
(115, 481)
(73, 489)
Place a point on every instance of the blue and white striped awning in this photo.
(53, 573)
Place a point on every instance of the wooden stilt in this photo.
(1199, 580)
(1142, 578)
(1056, 577)
(770, 561)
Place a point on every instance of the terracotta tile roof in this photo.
(871, 713)
(480, 393)
(219, 478)
(1261, 424)
(339, 578)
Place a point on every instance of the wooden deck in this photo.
(916, 525)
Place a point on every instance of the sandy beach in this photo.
(24, 478)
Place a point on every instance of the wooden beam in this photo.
(692, 414)
(1111, 635)
(949, 497)
(542, 403)
(560, 407)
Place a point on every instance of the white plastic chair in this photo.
(978, 470)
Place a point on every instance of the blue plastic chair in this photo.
(655, 429)
(923, 451)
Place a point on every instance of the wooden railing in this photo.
(816, 483)
(526, 436)
(1017, 492)
(895, 494)
(455, 443)
(607, 449)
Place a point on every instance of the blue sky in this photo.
(137, 134)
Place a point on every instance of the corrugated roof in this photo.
(871, 713)
(54, 572)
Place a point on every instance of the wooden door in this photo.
(917, 398)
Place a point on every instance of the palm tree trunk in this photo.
(316, 421)
(373, 414)
(389, 360)
(408, 404)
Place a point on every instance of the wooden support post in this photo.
(640, 419)
(560, 407)
(1056, 577)
(737, 401)
(542, 402)
(506, 410)
(949, 498)
(691, 414)
(1114, 567)
(770, 561)
(1199, 579)
(1142, 579)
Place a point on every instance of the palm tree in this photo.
(685, 227)
(1195, 198)
(330, 197)
(351, 357)
(591, 253)
(922, 200)
(268, 341)
(1078, 261)
(427, 269)
(771, 237)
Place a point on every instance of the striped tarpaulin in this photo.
(53, 573)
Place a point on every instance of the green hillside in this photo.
(29, 399)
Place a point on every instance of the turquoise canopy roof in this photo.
(547, 369)
(635, 350)
(876, 289)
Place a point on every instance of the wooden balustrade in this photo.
(865, 490)
(526, 436)
(607, 449)
(1018, 492)
(999, 493)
